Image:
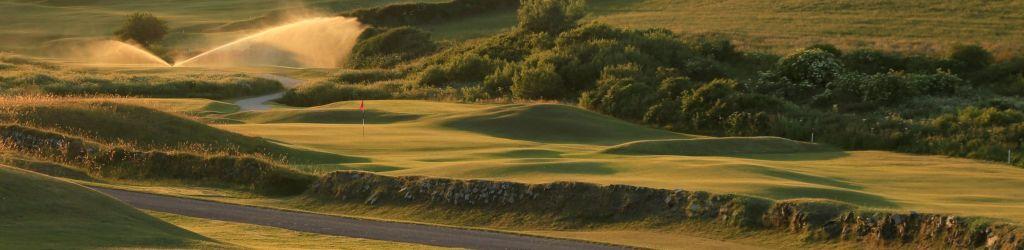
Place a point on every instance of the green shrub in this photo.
(872, 61)
(550, 16)
(827, 48)
(368, 75)
(500, 81)
(970, 58)
(538, 82)
(142, 28)
(469, 68)
(386, 47)
(434, 75)
(623, 91)
(328, 92)
(813, 66)
(715, 47)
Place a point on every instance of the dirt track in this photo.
(332, 225)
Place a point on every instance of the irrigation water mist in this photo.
(107, 52)
(320, 42)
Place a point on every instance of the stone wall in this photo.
(595, 204)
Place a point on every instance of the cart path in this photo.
(342, 226)
(259, 102)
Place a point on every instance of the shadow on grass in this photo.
(800, 177)
(528, 153)
(848, 196)
(584, 168)
(817, 156)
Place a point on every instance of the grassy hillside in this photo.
(552, 124)
(766, 167)
(922, 25)
(776, 26)
(925, 26)
(41, 212)
(118, 121)
(718, 146)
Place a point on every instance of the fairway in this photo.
(428, 145)
(512, 124)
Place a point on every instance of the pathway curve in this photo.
(259, 102)
(342, 226)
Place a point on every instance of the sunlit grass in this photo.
(426, 146)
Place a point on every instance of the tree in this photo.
(551, 16)
(143, 28)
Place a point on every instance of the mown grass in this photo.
(40, 212)
(426, 146)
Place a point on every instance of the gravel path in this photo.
(259, 102)
(341, 226)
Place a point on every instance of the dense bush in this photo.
(872, 61)
(970, 58)
(622, 91)
(538, 82)
(550, 16)
(328, 91)
(386, 47)
(142, 28)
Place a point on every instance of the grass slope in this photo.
(924, 26)
(765, 167)
(551, 123)
(109, 120)
(42, 212)
(718, 146)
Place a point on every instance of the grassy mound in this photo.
(42, 212)
(217, 170)
(335, 116)
(112, 120)
(718, 146)
(551, 123)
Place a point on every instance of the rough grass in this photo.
(918, 26)
(113, 162)
(120, 121)
(28, 76)
(718, 146)
(40, 212)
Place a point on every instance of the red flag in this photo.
(361, 107)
